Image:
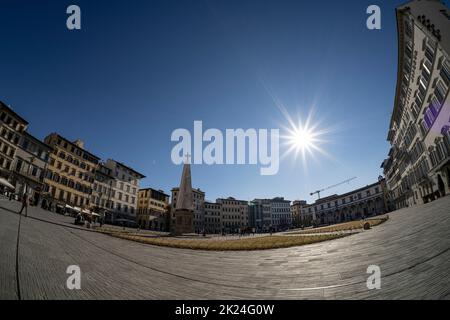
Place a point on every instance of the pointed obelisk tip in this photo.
(185, 198)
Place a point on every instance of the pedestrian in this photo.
(24, 205)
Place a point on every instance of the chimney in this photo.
(79, 143)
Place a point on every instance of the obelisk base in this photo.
(184, 222)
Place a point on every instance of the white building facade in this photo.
(281, 214)
(101, 197)
(124, 192)
(357, 204)
(418, 166)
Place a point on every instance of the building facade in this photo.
(417, 168)
(153, 209)
(281, 213)
(102, 192)
(298, 218)
(213, 221)
(234, 214)
(260, 214)
(124, 192)
(70, 173)
(198, 207)
(30, 166)
(11, 128)
(255, 215)
(354, 205)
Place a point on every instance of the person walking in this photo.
(24, 205)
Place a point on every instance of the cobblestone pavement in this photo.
(412, 249)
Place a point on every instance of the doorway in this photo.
(441, 186)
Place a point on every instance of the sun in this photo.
(306, 138)
(302, 138)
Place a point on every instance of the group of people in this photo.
(88, 220)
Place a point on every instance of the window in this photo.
(19, 164)
(408, 50)
(430, 116)
(429, 53)
(445, 72)
(418, 99)
(424, 127)
(408, 28)
(423, 86)
(440, 92)
(427, 67)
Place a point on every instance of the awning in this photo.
(95, 214)
(6, 184)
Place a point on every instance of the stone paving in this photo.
(412, 249)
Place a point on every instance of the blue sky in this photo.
(140, 69)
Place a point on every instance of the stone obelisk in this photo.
(184, 210)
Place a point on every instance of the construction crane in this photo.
(330, 187)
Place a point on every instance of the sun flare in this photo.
(302, 138)
(305, 139)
